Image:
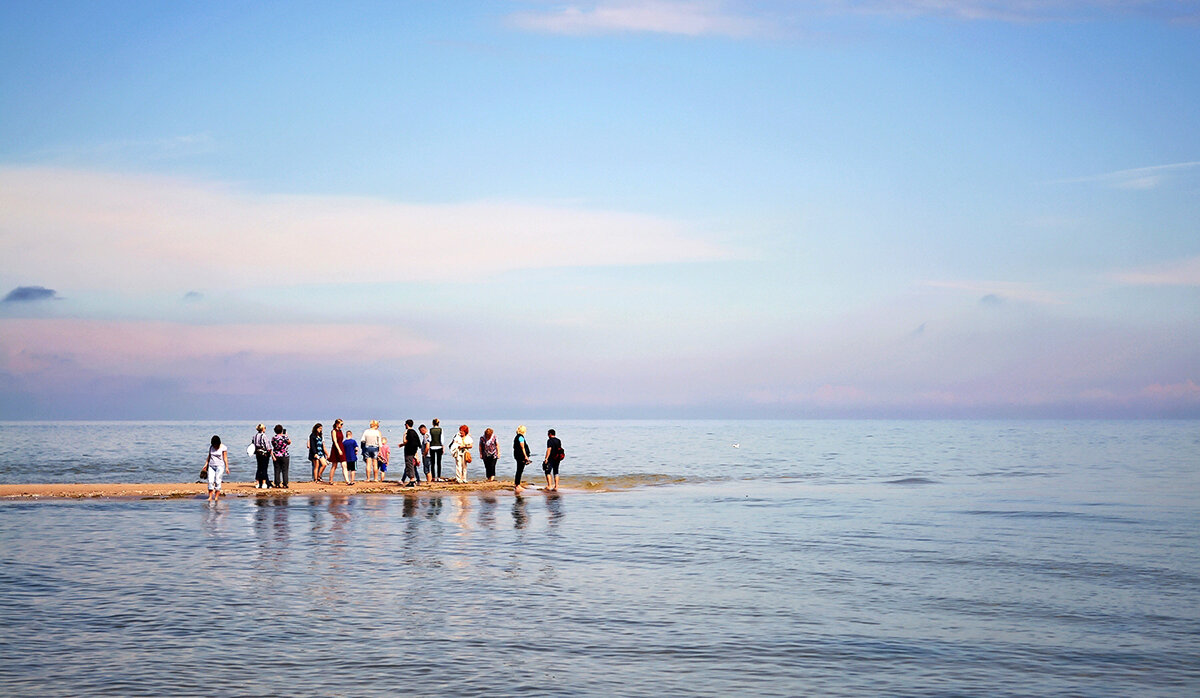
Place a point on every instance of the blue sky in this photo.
(880, 208)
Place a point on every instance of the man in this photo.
(554, 456)
(412, 447)
(426, 460)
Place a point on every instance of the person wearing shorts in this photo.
(385, 454)
(554, 456)
(426, 459)
(217, 463)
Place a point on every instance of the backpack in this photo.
(560, 453)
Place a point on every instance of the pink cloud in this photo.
(149, 348)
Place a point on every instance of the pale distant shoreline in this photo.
(181, 490)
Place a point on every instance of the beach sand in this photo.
(173, 490)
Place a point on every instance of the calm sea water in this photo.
(817, 558)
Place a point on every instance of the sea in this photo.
(698, 558)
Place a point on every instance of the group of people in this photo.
(422, 450)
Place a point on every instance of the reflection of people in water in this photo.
(487, 510)
(519, 513)
(555, 509)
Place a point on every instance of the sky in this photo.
(600, 209)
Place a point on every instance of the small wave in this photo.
(911, 481)
(607, 483)
(1022, 514)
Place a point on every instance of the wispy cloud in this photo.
(142, 232)
(1138, 178)
(1185, 272)
(757, 18)
(993, 293)
(686, 18)
(1020, 10)
(127, 149)
(30, 294)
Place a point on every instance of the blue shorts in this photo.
(383, 467)
(370, 452)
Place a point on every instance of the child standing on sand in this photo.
(385, 453)
(350, 448)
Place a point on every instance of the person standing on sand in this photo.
(385, 455)
(412, 447)
(279, 453)
(370, 449)
(336, 453)
(425, 460)
(489, 451)
(262, 455)
(350, 448)
(435, 450)
(316, 452)
(460, 451)
(217, 463)
(521, 454)
(554, 456)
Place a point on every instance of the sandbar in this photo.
(179, 490)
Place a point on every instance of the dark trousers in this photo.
(410, 468)
(281, 469)
(520, 469)
(261, 474)
(435, 463)
(489, 466)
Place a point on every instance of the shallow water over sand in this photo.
(1009, 559)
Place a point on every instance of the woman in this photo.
(217, 463)
(522, 455)
(279, 452)
(337, 453)
(262, 455)
(460, 450)
(489, 451)
(435, 451)
(316, 452)
(370, 449)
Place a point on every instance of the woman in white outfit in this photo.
(460, 448)
(218, 466)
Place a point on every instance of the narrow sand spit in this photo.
(171, 490)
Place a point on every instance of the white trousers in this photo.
(214, 477)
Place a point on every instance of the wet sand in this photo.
(173, 490)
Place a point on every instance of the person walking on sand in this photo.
(371, 441)
(521, 454)
(460, 451)
(336, 453)
(350, 448)
(412, 447)
(435, 450)
(489, 451)
(262, 456)
(554, 456)
(316, 452)
(385, 455)
(217, 463)
(279, 454)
